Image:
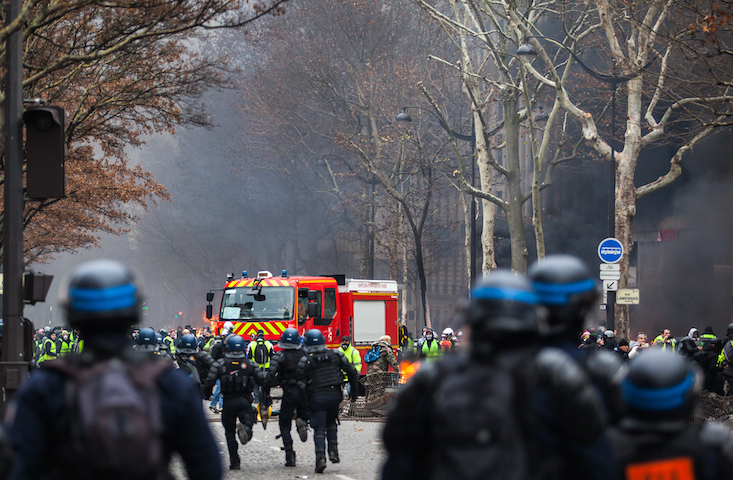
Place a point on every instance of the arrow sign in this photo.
(610, 285)
(610, 250)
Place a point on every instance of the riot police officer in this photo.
(283, 372)
(192, 361)
(505, 409)
(238, 376)
(320, 375)
(654, 439)
(568, 291)
(102, 300)
(147, 341)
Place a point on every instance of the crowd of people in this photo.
(520, 399)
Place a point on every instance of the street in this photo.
(360, 450)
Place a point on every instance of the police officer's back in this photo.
(193, 361)
(320, 374)
(283, 371)
(238, 376)
(655, 439)
(505, 410)
(102, 301)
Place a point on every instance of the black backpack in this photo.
(261, 354)
(113, 421)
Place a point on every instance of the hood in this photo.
(692, 331)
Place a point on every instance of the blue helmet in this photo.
(147, 336)
(235, 344)
(102, 296)
(503, 306)
(159, 338)
(661, 385)
(188, 343)
(565, 286)
(314, 337)
(289, 340)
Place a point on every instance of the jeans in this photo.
(217, 398)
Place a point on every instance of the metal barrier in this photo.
(380, 388)
(713, 407)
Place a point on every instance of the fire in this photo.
(408, 369)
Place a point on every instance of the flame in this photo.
(407, 370)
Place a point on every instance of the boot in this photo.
(289, 458)
(320, 462)
(333, 453)
(302, 428)
(243, 433)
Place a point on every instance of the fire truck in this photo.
(362, 309)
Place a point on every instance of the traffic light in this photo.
(45, 152)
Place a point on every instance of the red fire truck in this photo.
(362, 309)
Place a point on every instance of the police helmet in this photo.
(729, 330)
(235, 343)
(661, 386)
(566, 287)
(159, 338)
(289, 340)
(188, 344)
(314, 337)
(102, 296)
(147, 336)
(503, 307)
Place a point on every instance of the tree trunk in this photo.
(514, 187)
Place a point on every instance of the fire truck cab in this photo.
(362, 309)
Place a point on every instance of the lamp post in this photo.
(404, 117)
(13, 367)
(527, 49)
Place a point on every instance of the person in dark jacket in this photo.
(192, 361)
(622, 350)
(283, 371)
(655, 439)
(102, 301)
(320, 375)
(238, 376)
(508, 409)
(707, 359)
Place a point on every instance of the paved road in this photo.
(360, 449)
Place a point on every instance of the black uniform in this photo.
(283, 372)
(321, 374)
(238, 377)
(196, 365)
(521, 414)
(36, 436)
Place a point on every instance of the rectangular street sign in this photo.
(610, 285)
(610, 266)
(606, 275)
(627, 296)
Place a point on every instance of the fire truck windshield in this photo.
(273, 303)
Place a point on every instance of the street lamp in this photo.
(527, 49)
(404, 117)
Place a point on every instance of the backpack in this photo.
(114, 419)
(261, 353)
(373, 354)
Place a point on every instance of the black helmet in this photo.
(147, 336)
(102, 296)
(661, 386)
(314, 337)
(503, 306)
(289, 340)
(235, 343)
(188, 344)
(566, 287)
(730, 329)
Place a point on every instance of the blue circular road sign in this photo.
(610, 250)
